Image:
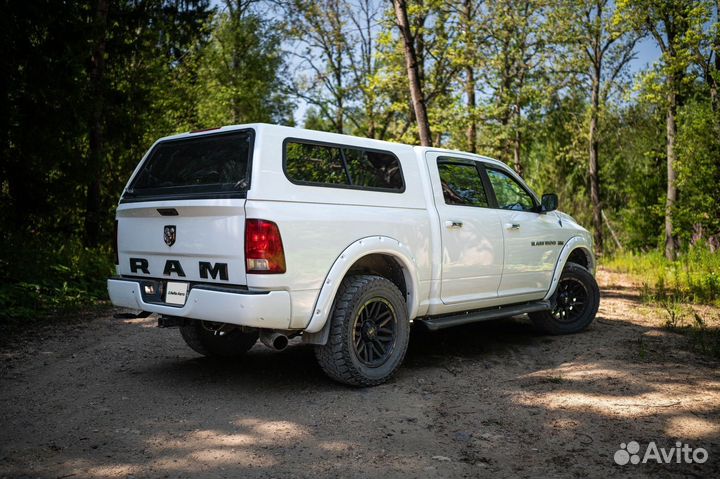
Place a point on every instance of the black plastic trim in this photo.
(435, 323)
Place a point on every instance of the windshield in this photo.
(201, 167)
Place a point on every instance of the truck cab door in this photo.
(533, 240)
(470, 230)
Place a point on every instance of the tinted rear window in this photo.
(342, 166)
(205, 167)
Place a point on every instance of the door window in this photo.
(462, 184)
(508, 192)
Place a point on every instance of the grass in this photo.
(675, 287)
(693, 278)
(40, 280)
(684, 319)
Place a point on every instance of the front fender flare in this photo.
(363, 247)
(570, 245)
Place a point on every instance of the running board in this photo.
(442, 322)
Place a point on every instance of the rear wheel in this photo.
(577, 299)
(369, 332)
(209, 339)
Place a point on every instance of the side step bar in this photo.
(442, 322)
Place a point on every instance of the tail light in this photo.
(115, 243)
(264, 252)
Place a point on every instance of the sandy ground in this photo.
(117, 399)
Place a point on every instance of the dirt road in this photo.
(117, 399)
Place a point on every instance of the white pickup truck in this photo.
(263, 231)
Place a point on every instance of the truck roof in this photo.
(325, 136)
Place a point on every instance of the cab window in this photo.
(508, 192)
(462, 184)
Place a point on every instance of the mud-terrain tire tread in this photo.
(336, 357)
(235, 343)
(544, 320)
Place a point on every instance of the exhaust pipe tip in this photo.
(274, 340)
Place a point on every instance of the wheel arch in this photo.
(379, 255)
(577, 250)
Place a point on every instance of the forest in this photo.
(553, 88)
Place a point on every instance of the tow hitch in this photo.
(140, 315)
(171, 322)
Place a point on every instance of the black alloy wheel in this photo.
(571, 301)
(374, 332)
(577, 299)
(369, 332)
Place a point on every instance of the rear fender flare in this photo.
(363, 247)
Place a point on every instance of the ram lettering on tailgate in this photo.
(207, 269)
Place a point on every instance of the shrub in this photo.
(40, 278)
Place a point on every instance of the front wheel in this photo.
(369, 332)
(577, 299)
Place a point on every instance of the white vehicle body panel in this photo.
(207, 231)
(325, 230)
(271, 310)
(361, 248)
(472, 245)
(528, 269)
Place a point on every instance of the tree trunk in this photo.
(671, 175)
(418, 100)
(95, 133)
(467, 15)
(594, 168)
(517, 145)
(340, 111)
(517, 142)
(713, 81)
(470, 92)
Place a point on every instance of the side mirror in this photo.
(549, 202)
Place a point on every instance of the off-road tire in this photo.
(339, 358)
(202, 340)
(577, 278)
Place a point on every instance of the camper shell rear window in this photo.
(201, 167)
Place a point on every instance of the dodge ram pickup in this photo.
(267, 232)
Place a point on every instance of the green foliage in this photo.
(239, 74)
(634, 175)
(557, 157)
(671, 286)
(694, 277)
(698, 208)
(173, 66)
(49, 276)
(679, 27)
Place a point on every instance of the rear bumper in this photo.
(262, 309)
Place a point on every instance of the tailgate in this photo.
(201, 241)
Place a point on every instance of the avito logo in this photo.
(680, 454)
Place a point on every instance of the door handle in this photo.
(512, 226)
(454, 224)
